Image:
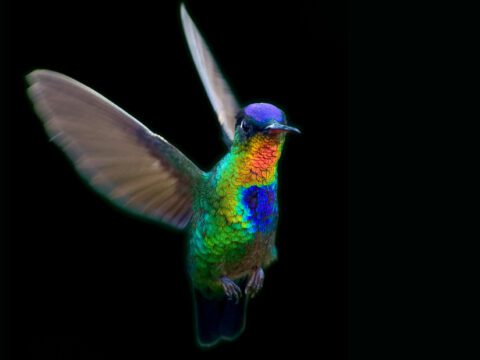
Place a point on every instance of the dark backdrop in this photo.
(85, 281)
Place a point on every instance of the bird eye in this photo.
(245, 126)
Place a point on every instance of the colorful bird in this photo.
(230, 213)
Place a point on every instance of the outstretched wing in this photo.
(135, 168)
(218, 91)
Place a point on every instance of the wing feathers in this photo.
(114, 152)
(221, 97)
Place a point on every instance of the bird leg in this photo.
(255, 282)
(230, 288)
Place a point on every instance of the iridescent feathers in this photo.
(261, 201)
(264, 113)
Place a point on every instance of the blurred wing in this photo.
(218, 91)
(135, 168)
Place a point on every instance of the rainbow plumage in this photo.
(234, 225)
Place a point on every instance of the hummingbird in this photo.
(230, 213)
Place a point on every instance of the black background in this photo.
(85, 281)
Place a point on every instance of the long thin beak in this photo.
(280, 127)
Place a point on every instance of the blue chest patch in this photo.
(261, 201)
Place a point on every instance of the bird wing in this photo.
(120, 157)
(218, 91)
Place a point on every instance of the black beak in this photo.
(280, 127)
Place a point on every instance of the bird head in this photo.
(261, 121)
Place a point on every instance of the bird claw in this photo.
(255, 282)
(231, 289)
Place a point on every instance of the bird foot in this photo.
(255, 282)
(231, 289)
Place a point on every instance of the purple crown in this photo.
(265, 113)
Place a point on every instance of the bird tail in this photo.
(218, 318)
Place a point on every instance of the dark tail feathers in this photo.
(218, 319)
